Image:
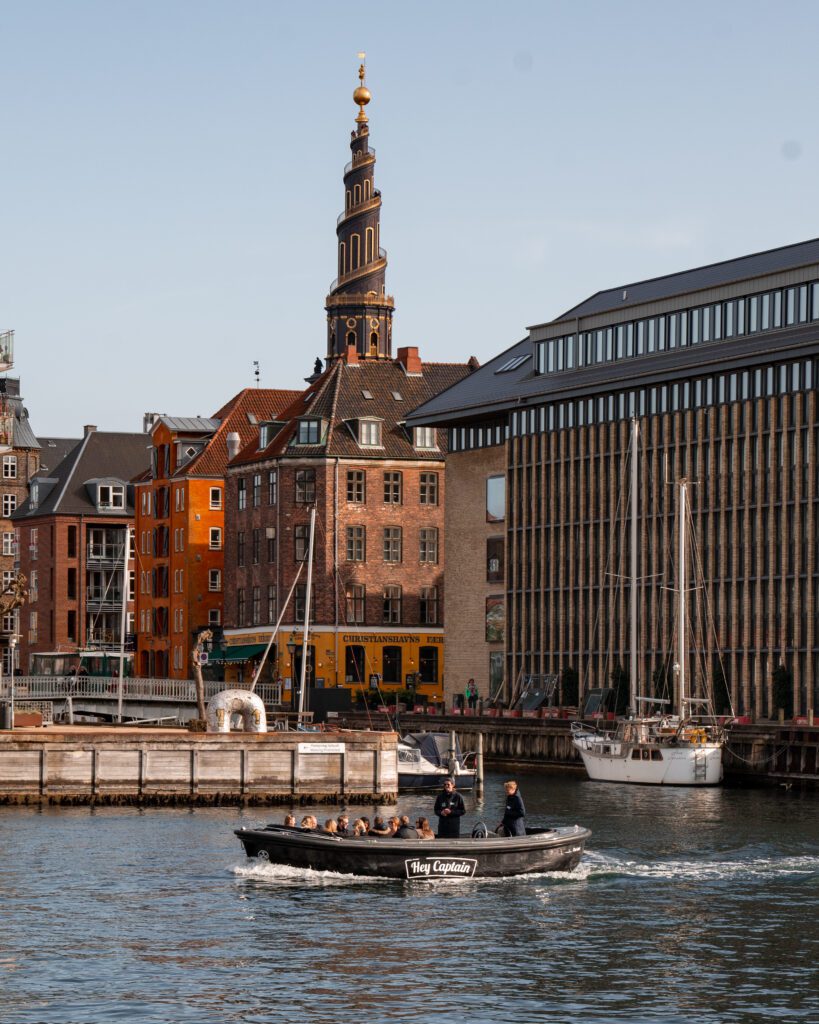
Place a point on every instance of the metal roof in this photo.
(190, 424)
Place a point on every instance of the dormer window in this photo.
(34, 495)
(424, 437)
(369, 433)
(264, 435)
(110, 496)
(309, 432)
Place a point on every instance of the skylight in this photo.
(514, 363)
(398, 396)
(367, 394)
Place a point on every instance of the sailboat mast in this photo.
(681, 628)
(309, 588)
(635, 433)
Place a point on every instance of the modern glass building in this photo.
(719, 366)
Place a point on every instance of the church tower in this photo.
(359, 312)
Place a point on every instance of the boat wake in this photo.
(602, 866)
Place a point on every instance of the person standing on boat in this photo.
(514, 814)
(449, 806)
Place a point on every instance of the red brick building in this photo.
(180, 524)
(377, 486)
(74, 536)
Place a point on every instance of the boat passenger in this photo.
(513, 823)
(290, 821)
(424, 831)
(343, 827)
(405, 830)
(393, 824)
(309, 821)
(366, 821)
(449, 806)
(379, 827)
(359, 828)
(330, 825)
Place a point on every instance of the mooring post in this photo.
(453, 763)
(479, 767)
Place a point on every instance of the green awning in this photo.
(240, 652)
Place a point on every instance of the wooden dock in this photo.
(144, 766)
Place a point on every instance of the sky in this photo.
(171, 174)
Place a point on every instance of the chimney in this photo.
(89, 428)
(233, 442)
(410, 360)
(352, 355)
(148, 420)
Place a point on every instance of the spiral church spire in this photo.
(359, 312)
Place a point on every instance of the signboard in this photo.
(440, 867)
(375, 679)
(322, 748)
(203, 658)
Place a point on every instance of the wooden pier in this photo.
(143, 766)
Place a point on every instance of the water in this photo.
(688, 906)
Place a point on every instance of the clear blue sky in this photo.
(171, 175)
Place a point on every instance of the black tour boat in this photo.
(479, 856)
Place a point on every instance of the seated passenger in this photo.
(308, 821)
(343, 825)
(290, 821)
(424, 831)
(393, 824)
(379, 827)
(330, 825)
(405, 830)
(359, 828)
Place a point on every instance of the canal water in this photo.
(689, 906)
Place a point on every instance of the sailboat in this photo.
(660, 747)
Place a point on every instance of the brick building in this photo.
(180, 526)
(377, 486)
(719, 366)
(74, 535)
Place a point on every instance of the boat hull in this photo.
(699, 765)
(558, 849)
(408, 781)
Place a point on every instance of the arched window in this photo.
(356, 194)
(374, 344)
(342, 255)
(350, 338)
(348, 200)
(355, 252)
(369, 241)
(367, 188)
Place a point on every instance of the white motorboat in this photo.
(425, 759)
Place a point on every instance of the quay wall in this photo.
(92, 765)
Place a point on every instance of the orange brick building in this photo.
(179, 526)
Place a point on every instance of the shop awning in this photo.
(240, 652)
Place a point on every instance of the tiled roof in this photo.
(52, 452)
(338, 398)
(772, 261)
(240, 415)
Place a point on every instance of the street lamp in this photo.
(13, 646)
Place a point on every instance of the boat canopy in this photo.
(434, 746)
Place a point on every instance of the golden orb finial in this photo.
(361, 95)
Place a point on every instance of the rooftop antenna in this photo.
(256, 371)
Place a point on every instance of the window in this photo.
(257, 489)
(429, 488)
(391, 671)
(9, 504)
(301, 537)
(256, 607)
(494, 559)
(111, 496)
(270, 532)
(356, 601)
(272, 604)
(392, 488)
(356, 543)
(215, 498)
(34, 543)
(215, 580)
(215, 542)
(9, 467)
(33, 586)
(428, 664)
(34, 494)
(305, 486)
(495, 499)
(356, 486)
(214, 616)
(241, 494)
(424, 437)
(240, 607)
(429, 606)
(354, 663)
(428, 538)
(32, 627)
(8, 543)
(272, 487)
(309, 432)
(392, 604)
(392, 544)
(369, 433)
(299, 599)
(240, 548)
(257, 546)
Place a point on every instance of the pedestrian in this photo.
(449, 806)
(472, 694)
(513, 823)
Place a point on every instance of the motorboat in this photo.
(425, 759)
(482, 855)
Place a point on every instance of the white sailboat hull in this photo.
(608, 760)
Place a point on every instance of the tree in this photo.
(619, 683)
(782, 691)
(569, 687)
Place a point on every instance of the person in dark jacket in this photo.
(405, 830)
(449, 806)
(514, 814)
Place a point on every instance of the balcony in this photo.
(103, 556)
(359, 159)
(360, 299)
(101, 600)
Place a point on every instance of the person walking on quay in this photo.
(514, 814)
(449, 806)
(472, 694)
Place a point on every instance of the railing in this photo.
(360, 299)
(367, 204)
(180, 691)
(363, 270)
(360, 158)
